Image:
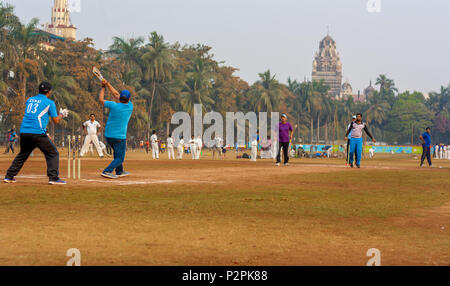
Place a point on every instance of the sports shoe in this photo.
(109, 175)
(57, 182)
(9, 181)
(287, 164)
(123, 174)
(277, 164)
(358, 166)
(351, 165)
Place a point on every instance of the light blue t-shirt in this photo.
(119, 116)
(38, 110)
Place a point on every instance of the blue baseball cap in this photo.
(125, 94)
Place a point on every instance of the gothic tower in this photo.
(328, 67)
(60, 23)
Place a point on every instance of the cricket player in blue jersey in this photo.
(116, 128)
(38, 111)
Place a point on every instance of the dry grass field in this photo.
(229, 212)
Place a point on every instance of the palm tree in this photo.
(387, 88)
(265, 94)
(128, 52)
(159, 63)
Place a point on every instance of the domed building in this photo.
(327, 66)
(369, 91)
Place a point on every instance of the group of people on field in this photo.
(40, 109)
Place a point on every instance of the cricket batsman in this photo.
(38, 110)
(116, 128)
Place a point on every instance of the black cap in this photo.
(45, 87)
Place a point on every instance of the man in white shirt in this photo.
(218, 147)
(199, 147)
(170, 147)
(371, 152)
(254, 149)
(193, 147)
(91, 129)
(155, 147)
(180, 148)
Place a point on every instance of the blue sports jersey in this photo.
(38, 110)
(119, 116)
(12, 137)
(427, 138)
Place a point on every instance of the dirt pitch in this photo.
(230, 212)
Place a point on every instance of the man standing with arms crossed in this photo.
(116, 128)
(38, 110)
(426, 147)
(91, 128)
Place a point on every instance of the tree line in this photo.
(165, 78)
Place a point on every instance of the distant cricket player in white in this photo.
(371, 152)
(199, 147)
(180, 148)
(254, 148)
(91, 129)
(217, 147)
(193, 147)
(155, 147)
(170, 147)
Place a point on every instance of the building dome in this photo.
(369, 90)
(347, 88)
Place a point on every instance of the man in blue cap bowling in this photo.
(116, 128)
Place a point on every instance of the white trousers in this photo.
(180, 152)
(87, 142)
(254, 154)
(199, 151)
(155, 151)
(194, 152)
(171, 153)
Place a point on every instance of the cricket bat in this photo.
(98, 74)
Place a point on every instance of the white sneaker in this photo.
(277, 164)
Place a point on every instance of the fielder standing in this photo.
(199, 147)
(193, 147)
(170, 147)
(155, 147)
(12, 137)
(91, 129)
(116, 128)
(180, 148)
(426, 147)
(38, 110)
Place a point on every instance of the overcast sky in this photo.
(409, 39)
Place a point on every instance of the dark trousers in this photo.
(426, 153)
(10, 147)
(285, 146)
(119, 147)
(29, 142)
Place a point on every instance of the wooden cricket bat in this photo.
(98, 74)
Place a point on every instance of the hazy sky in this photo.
(409, 39)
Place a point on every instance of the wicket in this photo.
(74, 148)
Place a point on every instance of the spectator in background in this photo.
(12, 137)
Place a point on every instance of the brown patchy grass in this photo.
(230, 212)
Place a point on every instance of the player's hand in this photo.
(104, 83)
(374, 141)
(345, 138)
(64, 112)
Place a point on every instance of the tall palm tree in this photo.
(265, 94)
(387, 88)
(159, 62)
(128, 52)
